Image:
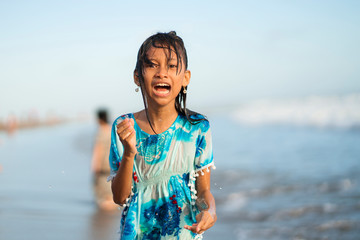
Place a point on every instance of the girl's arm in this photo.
(206, 204)
(121, 184)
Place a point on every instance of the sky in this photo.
(71, 57)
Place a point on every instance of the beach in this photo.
(275, 181)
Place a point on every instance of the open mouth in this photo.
(162, 88)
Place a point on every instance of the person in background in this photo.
(100, 163)
(11, 125)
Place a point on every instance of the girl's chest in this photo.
(162, 156)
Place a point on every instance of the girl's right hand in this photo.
(127, 135)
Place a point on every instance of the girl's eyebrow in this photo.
(154, 59)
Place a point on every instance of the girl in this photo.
(161, 156)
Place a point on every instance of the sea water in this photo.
(280, 175)
(286, 182)
(288, 169)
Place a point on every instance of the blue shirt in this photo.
(163, 186)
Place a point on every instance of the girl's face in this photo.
(162, 80)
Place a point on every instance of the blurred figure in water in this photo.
(100, 163)
(12, 124)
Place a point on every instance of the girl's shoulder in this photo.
(198, 120)
(195, 116)
(198, 117)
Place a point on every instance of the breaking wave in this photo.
(318, 111)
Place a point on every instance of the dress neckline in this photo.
(148, 134)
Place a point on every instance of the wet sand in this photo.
(45, 187)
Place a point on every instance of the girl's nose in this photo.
(162, 72)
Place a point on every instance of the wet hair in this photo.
(102, 115)
(173, 44)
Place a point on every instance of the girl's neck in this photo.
(161, 119)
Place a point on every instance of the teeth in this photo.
(162, 85)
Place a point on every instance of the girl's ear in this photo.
(187, 77)
(136, 78)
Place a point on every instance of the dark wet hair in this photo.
(102, 115)
(172, 43)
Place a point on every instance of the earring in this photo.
(184, 90)
(137, 89)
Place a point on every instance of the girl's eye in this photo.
(173, 66)
(151, 65)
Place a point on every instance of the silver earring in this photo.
(184, 91)
(137, 89)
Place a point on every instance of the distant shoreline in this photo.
(13, 125)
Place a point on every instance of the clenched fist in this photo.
(127, 135)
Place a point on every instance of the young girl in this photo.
(161, 156)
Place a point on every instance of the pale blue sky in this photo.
(71, 56)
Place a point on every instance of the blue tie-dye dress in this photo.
(163, 187)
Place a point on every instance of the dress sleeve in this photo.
(204, 153)
(116, 150)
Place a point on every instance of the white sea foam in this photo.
(319, 111)
(234, 202)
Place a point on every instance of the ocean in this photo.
(285, 170)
